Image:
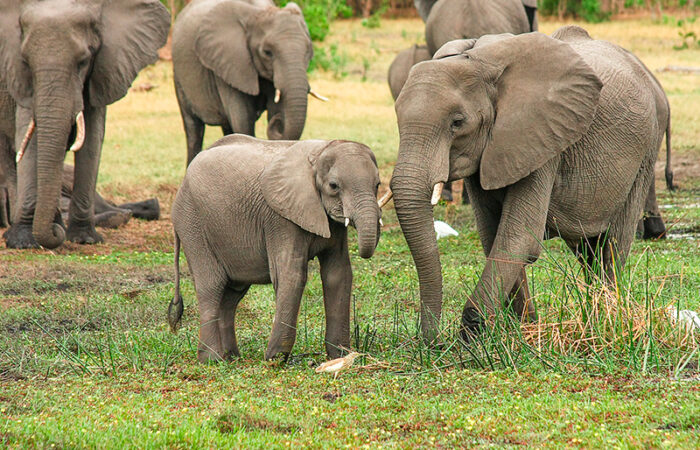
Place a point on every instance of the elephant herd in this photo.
(554, 136)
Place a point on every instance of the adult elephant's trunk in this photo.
(412, 184)
(53, 111)
(294, 89)
(366, 220)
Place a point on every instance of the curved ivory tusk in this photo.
(80, 133)
(347, 222)
(381, 223)
(437, 191)
(385, 198)
(317, 95)
(278, 93)
(25, 141)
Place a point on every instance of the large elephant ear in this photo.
(289, 187)
(14, 73)
(222, 46)
(132, 31)
(547, 97)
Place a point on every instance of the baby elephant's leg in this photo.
(210, 281)
(289, 282)
(227, 318)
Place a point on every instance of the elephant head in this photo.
(497, 108)
(270, 43)
(315, 180)
(60, 57)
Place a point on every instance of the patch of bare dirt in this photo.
(686, 170)
(25, 283)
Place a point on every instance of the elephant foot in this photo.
(112, 219)
(277, 356)
(472, 324)
(147, 209)
(20, 236)
(83, 234)
(654, 228)
(208, 356)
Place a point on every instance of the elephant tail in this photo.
(669, 170)
(176, 306)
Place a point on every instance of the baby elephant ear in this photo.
(289, 188)
(453, 48)
(547, 97)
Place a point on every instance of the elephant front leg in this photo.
(336, 277)
(81, 221)
(289, 280)
(516, 243)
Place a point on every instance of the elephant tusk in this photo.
(381, 223)
(80, 134)
(385, 198)
(278, 93)
(317, 95)
(347, 222)
(25, 141)
(437, 191)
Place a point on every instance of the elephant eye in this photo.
(268, 53)
(333, 186)
(457, 123)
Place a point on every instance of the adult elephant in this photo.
(556, 136)
(447, 20)
(232, 60)
(63, 62)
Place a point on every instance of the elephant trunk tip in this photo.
(54, 237)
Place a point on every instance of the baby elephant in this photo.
(251, 211)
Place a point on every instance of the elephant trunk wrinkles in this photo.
(411, 186)
(295, 89)
(53, 111)
(366, 220)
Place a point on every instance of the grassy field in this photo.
(87, 360)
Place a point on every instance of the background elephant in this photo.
(447, 20)
(251, 211)
(556, 136)
(401, 65)
(233, 60)
(63, 62)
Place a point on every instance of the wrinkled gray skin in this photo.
(61, 57)
(555, 136)
(401, 65)
(251, 211)
(228, 59)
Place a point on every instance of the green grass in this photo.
(87, 360)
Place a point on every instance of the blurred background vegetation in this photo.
(320, 13)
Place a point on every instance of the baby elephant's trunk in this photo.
(176, 307)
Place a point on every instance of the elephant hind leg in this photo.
(227, 318)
